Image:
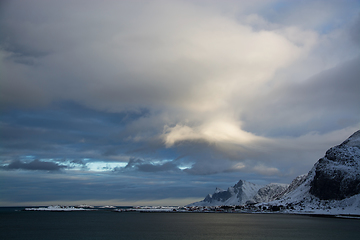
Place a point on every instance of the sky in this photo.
(160, 102)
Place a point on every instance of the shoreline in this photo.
(173, 210)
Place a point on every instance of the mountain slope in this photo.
(332, 186)
(242, 193)
(238, 194)
(337, 174)
(269, 192)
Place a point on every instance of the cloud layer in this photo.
(34, 165)
(249, 89)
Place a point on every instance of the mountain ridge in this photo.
(241, 193)
(332, 186)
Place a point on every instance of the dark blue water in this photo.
(151, 226)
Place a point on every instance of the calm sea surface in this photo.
(151, 226)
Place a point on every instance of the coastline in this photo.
(161, 209)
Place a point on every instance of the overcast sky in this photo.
(159, 102)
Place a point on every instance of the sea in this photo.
(105, 224)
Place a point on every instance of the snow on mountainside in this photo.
(239, 194)
(242, 193)
(269, 192)
(293, 185)
(332, 186)
(337, 175)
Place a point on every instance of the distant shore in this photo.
(176, 209)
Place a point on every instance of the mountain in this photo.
(242, 193)
(332, 186)
(238, 194)
(337, 174)
(293, 185)
(269, 193)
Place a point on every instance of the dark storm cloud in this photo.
(186, 93)
(327, 101)
(34, 165)
(37, 186)
(78, 161)
(133, 162)
(66, 130)
(147, 166)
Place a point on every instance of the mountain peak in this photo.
(353, 140)
(332, 185)
(334, 179)
(239, 183)
(217, 190)
(336, 175)
(241, 193)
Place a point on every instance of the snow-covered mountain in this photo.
(242, 193)
(270, 192)
(337, 174)
(332, 186)
(293, 185)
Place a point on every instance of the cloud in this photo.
(199, 71)
(169, 166)
(34, 165)
(176, 89)
(149, 166)
(323, 103)
(355, 30)
(133, 162)
(198, 57)
(266, 170)
(217, 131)
(209, 166)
